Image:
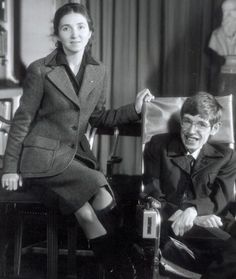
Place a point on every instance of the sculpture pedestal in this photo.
(227, 77)
(227, 80)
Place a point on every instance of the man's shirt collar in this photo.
(195, 153)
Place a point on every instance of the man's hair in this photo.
(203, 104)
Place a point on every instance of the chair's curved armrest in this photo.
(154, 203)
(113, 159)
(115, 144)
(232, 208)
(149, 201)
(4, 124)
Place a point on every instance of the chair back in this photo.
(162, 115)
(90, 135)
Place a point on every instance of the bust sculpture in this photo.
(223, 39)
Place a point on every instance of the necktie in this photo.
(190, 162)
(184, 191)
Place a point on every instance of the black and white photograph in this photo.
(117, 139)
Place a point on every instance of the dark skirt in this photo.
(69, 190)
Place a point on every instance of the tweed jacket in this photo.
(212, 178)
(49, 126)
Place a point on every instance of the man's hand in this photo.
(11, 181)
(183, 220)
(208, 221)
(143, 96)
(175, 215)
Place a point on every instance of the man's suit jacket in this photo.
(212, 177)
(49, 125)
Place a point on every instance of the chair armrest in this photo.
(4, 130)
(116, 138)
(232, 208)
(4, 124)
(113, 159)
(149, 202)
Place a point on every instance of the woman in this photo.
(47, 147)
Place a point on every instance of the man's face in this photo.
(195, 131)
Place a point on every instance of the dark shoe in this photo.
(121, 269)
(111, 251)
(110, 217)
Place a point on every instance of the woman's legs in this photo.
(89, 222)
(102, 199)
(99, 221)
(92, 216)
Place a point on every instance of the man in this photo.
(223, 39)
(194, 181)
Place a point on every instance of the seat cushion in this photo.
(19, 196)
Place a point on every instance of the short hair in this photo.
(203, 104)
(68, 9)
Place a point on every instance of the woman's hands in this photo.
(11, 181)
(143, 96)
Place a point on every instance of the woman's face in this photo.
(73, 33)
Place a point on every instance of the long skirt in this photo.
(68, 190)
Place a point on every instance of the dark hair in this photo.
(71, 8)
(203, 104)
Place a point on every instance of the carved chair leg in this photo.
(3, 240)
(52, 245)
(72, 244)
(18, 245)
(101, 272)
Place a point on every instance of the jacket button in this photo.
(74, 127)
(72, 145)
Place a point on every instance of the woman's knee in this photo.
(85, 214)
(102, 199)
